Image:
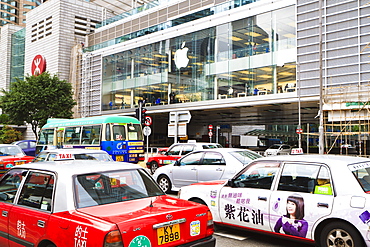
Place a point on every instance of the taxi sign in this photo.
(296, 151)
(64, 156)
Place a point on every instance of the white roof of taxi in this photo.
(326, 158)
(64, 171)
(73, 151)
(63, 167)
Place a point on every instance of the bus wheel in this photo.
(153, 167)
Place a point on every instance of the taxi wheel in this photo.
(50, 245)
(153, 167)
(165, 183)
(339, 234)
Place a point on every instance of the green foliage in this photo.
(9, 135)
(36, 99)
(4, 119)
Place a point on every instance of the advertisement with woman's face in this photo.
(293, 222)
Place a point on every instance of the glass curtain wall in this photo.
(236, 59)
(18, 53)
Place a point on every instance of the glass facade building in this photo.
(17, 54)
(252, 56)
(14, 11)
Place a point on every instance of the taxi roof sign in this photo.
(64, 157)
(296, 151)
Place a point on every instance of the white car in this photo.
(203, 165)
(278, 149)
(319, 198)
(72, 154)
(175, 152)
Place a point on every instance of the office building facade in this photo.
(14, 11)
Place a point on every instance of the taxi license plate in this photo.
(19, 162)
(119, 158)
(168, 234)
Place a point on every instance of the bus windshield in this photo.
(46, 137)
(134, 132)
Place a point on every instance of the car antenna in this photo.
(151, 203)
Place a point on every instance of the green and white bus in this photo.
(120, 136)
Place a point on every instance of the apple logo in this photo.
(181, 57)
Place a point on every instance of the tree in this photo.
(9, 135)
(36, 99)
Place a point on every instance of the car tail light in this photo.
(210, 226)
(113, 239)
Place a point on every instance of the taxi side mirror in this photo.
(231, 183)
(4, 197)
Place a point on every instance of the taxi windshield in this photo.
(11, 150)
(362, 173)
(113, 187)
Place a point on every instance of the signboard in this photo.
(182, 117)
(38, 65)
(148, 121)
(181, 130)
(147, 131)
(299, 131)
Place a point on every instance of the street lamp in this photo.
(321, 125)
(299, 128)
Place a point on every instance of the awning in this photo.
(271, 133)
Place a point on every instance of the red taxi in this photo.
(175, 152)
(98, 204)
(11, 155)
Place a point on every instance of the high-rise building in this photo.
(14, 11)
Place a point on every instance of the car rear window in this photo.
(114, 186)
(362, 173)
(208, 146)
(245, 157)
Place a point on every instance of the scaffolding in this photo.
(74, 75)
(347, 118)
(86, 85)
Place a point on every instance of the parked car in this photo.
(151, 151)
(72, 153)
(316, 198)
(278, 149)
(176, 151)
(11, 155)
(203, 165)
(28, 146)
(96, 204)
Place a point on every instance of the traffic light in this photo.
(137, 113)
(143, 115)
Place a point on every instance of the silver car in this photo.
(72, 154)
(278, 149)
(203, 165)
